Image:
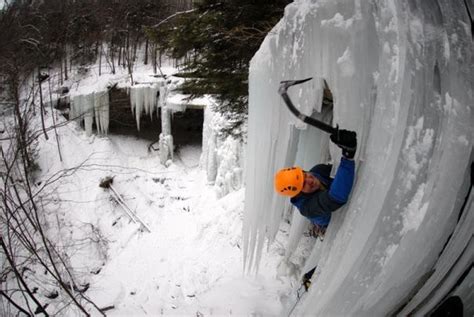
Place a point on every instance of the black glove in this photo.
(347, 141)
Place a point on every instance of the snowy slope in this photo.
(191, 262)
(401, 73)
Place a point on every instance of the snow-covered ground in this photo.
(190, 262)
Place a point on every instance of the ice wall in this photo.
(95, 105)
(86, 107)
(401, 73)
(221, 158)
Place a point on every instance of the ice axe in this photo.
(284, 85)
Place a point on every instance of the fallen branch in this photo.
(107, 183)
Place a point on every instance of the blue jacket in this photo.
(318, 206)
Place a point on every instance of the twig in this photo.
(54, 120)
(172, 16)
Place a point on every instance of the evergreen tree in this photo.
(217, 41)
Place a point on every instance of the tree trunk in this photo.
(65, 66)
(100, 59)
(112, 57)
(119, 55)
(153, 56)
(54, 119)
(135, 49)
(160, 58)
(125, 51)
(41, 105)
(146, 52)
(61, 71)
(129, 59)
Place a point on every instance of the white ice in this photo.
(143, 98)
(89, 106)
(402, 77)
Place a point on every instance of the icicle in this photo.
(101, 110)
(146, 99)
(131, 92)
(143, 99)
(88, 110)
(139, 104)
(89, 107)
(105, 113)
(97, 111)
(153, 92)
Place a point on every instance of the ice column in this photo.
(229, 173)
(221, 158)
(166, 139)
(209, 154)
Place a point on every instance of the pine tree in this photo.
(217, 41)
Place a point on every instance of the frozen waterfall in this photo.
(89, 106)
(222, 158)
(86, 107)
(143, 98)
(401, 73)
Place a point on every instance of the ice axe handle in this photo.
(284, 85)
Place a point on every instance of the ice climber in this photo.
(314, 192)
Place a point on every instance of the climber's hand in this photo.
(347, 141)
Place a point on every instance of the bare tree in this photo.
(24, 244)
(23, 240)
(61, 34)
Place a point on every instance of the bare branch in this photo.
(173, 16)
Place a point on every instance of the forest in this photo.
(212, 40)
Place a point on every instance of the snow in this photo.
(401, 76)
(179, 102)
(191, 261)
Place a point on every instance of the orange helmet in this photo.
(289, 181)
